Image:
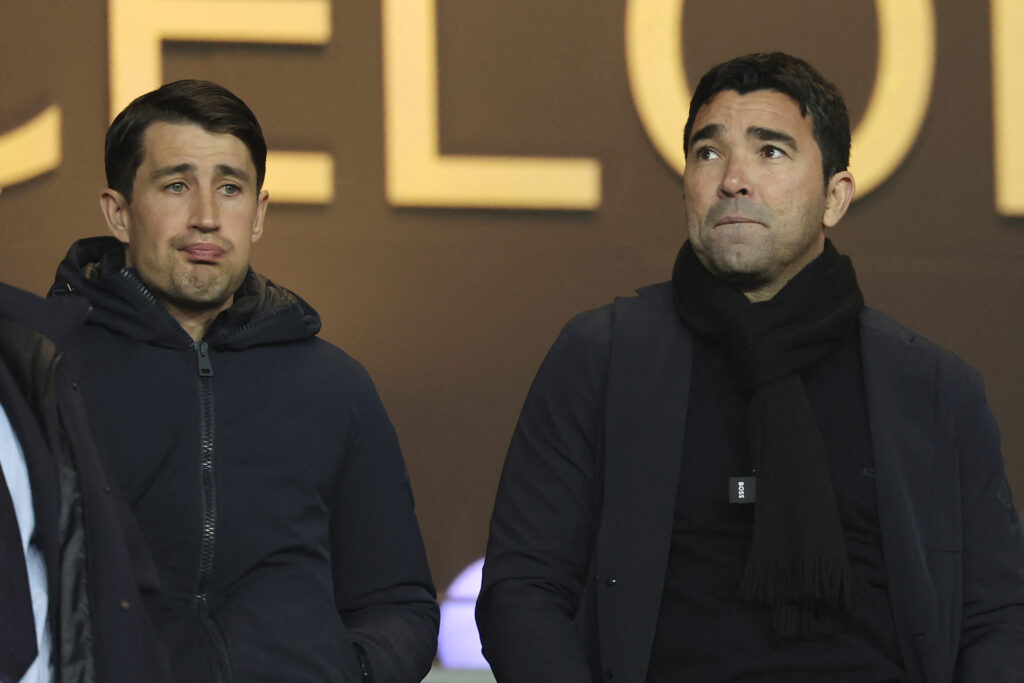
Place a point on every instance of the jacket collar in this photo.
(263, 313)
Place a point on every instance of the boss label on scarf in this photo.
(742, 489)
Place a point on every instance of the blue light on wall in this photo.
(458, 643)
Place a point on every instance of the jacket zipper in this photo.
(209, 509)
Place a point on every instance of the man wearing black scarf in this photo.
(744, 474)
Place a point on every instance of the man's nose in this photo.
(736, 179)
(205, 212)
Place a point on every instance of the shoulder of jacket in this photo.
(594, 332)
(334, 368)
(54, 319)
(652, 298)
(879, 330)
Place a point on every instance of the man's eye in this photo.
(177, 187)
(706, 154)
(231, 189)
(772, 152)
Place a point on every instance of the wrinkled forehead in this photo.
(761, 109)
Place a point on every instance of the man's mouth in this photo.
(204, 252)
(736, 220)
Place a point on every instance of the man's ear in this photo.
(261, 212)
(838, 195)
(115, 209)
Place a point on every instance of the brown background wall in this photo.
(452, 310)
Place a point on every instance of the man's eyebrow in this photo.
(771, 135)
(172, 170)
(225, 169)
(707, 132)
(222, 169)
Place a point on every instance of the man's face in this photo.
(756, 202)
(195, 213)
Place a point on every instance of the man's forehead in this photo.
(168, 139)
(752, 114)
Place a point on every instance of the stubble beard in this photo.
(196, 291)
(745, 265)
(745, 276)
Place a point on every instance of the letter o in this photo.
(882, 139)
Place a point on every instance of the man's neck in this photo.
(195, 322)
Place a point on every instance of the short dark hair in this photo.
(206, 104)
(790, 76)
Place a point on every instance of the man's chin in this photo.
(742, 279)
(199, 294)
(200, 298)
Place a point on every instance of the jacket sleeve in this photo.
(546, 514)
(992, 637)
(382, 585)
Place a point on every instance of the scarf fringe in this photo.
(813, 597)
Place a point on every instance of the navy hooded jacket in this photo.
(266, 479)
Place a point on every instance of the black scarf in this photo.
(798, 564)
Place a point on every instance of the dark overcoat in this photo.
(582, 524)
(96, 562)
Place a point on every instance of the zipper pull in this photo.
(203, 357)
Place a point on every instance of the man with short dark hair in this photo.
(257, 458)
(744, 474)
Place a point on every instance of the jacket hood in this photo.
(262, 312)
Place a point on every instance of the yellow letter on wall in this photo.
(899, 100)
(657, 79)
(903, 89)
(31, 149)
(419, 175)
(1007, 103)
(138, 28)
